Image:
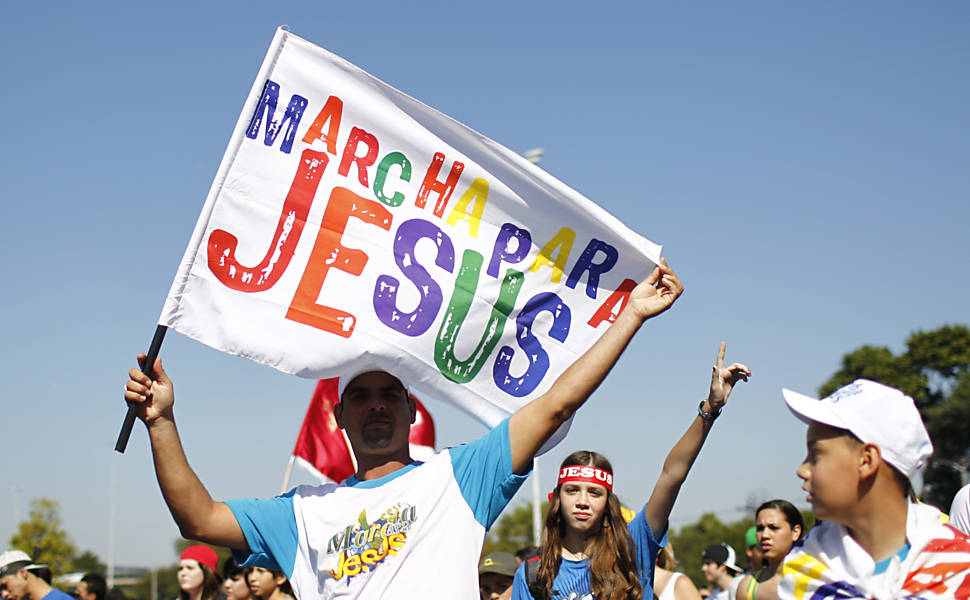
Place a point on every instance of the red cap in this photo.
(204, 555)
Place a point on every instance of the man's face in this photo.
(14, 586)
(82, 590)
(830, 471)
(495, 586)
(376, 413)
(712, 570)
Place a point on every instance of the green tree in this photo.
(689, 542)
(513, 530)
(935, 370)
(88, 562)
(42, 536)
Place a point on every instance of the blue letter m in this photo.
(267, 104)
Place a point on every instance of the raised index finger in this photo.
(720, 355)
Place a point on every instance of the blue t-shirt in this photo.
(573, 581)
(416, 531)
(57, 595)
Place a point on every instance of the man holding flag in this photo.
(396, 528)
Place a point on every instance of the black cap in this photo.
(722, 554)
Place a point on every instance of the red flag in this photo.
(321, 443)
(325, 448)
(421, 437)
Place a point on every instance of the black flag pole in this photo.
(148, 369)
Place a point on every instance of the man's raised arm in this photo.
(535, 422)
(198, 516)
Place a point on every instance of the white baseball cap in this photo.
(874, 413)
(12, 561)
(361, 367)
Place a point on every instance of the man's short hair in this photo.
(41, 571)
(96, 585)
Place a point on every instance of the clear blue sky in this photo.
(805, 166)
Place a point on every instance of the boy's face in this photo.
(712, 570)
(830, 471)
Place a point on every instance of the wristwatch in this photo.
(707, 416)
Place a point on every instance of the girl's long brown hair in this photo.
(612, 566)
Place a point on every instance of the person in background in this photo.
(525, 553)
(269, 584)
(92, 586)
(668, 583)
(44, 572)
(495, 575)
(721, 571)
(779, 526)
(754, 559)
(198, 574)
(235, 582)
(19, 581)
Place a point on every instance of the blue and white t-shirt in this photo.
(572, 581)
(416, 533)
(56, 594)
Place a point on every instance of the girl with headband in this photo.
(588, 549)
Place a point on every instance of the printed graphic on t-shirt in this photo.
(364, 546)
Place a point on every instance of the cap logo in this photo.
(586, 474)
(844, 392)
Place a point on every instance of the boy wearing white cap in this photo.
(397, 528)
(865, 442)
(17, 581)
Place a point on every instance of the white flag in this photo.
(349, 222)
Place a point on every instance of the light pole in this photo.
(112, 510)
